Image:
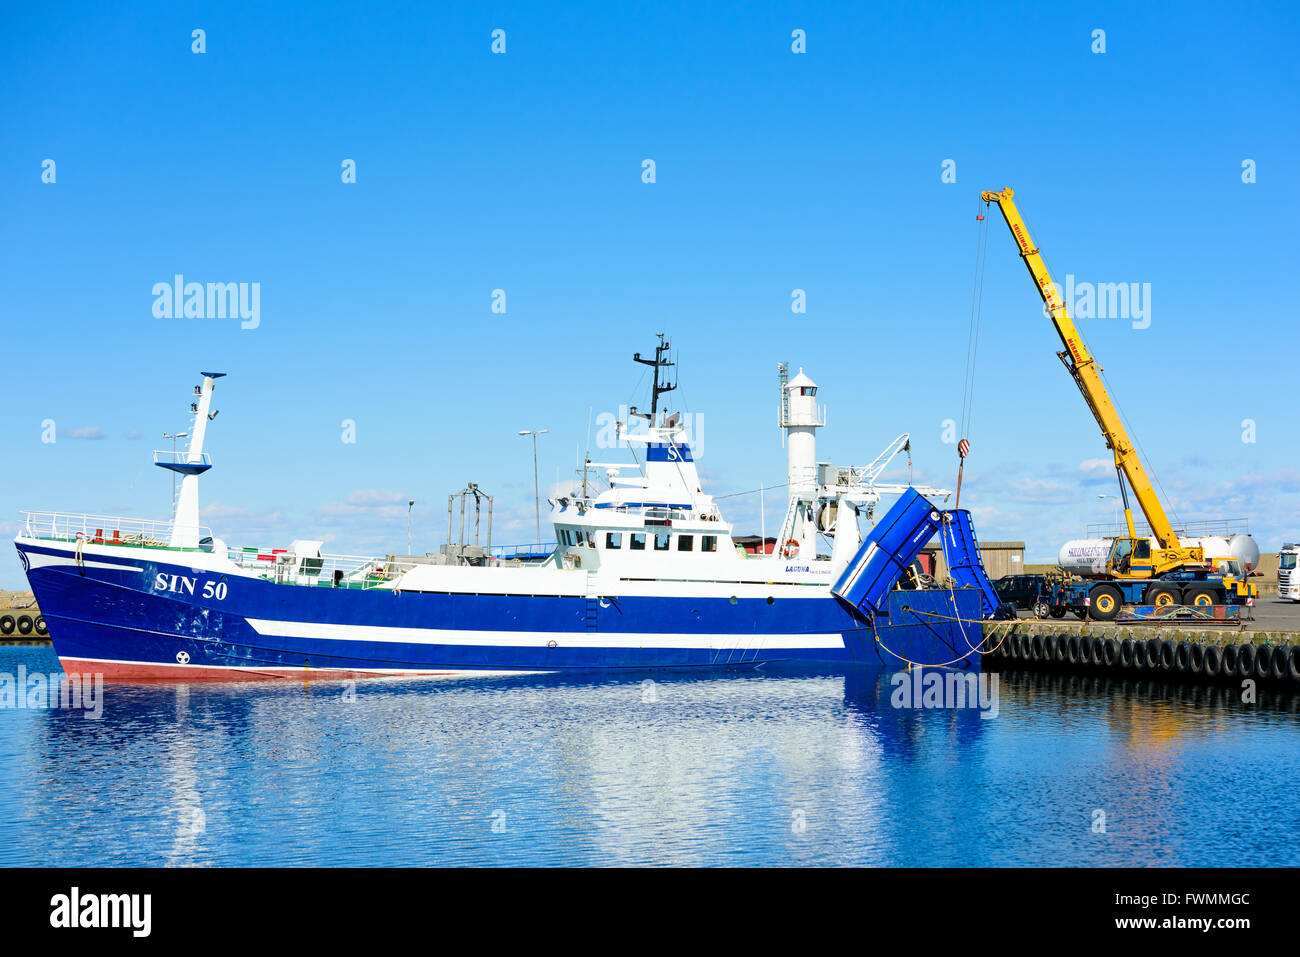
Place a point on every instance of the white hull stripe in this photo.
(537, 639)
(38, 560)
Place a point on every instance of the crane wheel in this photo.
(1162, 596)
(1200, 597)
(1058, 611)
(1042, 609)
(1106, 602)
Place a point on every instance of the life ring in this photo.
(791, 548)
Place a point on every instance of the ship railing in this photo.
(340, 571)
(709, 513)
(101, 529)
(525, 550)
(171, 457)
(1214, 527)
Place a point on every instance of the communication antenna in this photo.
(783, 407)
(661, 361)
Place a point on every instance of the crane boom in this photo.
(1086, 373)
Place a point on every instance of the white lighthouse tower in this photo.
(801, 418)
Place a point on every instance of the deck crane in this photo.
(1157, 576)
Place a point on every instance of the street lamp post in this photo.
(537, 495)
(1116, 513)
(178, 435)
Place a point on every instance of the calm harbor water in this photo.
(810, 769)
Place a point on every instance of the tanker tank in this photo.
(1086, 557)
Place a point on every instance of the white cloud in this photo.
(1031, 491)
(375, 496)
(218, 511)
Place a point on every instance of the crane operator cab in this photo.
(1130, 558)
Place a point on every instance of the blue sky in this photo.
(522, 171)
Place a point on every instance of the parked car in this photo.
(1024, 591)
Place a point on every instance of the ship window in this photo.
(638, 542)
(591, 540)
(685, 542)
(613, 539)
(661, 541)
(807, 390)
(564, 536)
(708, 543)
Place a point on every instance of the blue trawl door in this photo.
(886, 551)
(961, 550)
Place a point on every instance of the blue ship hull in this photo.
(143, 617)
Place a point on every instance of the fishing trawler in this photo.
(644, 574)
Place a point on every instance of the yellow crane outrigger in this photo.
(1132, 557)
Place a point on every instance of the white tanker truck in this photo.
(1086, 557)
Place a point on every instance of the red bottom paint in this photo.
(141, 671)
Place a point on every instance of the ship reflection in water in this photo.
(741, 769)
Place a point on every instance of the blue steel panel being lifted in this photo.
(961, 550)
(886, 551)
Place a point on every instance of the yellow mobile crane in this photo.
(1131, 559)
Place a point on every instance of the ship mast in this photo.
(190, 465)
(661, 361)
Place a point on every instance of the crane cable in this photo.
(973, 332)
(972, 347)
